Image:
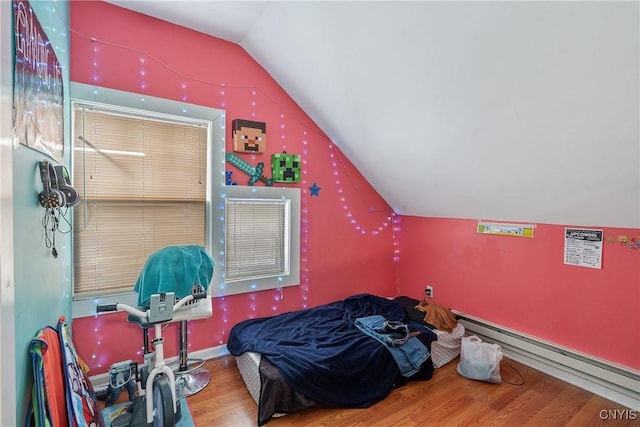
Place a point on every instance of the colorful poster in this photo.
(519, 230)
(583, 247)
(38, 92)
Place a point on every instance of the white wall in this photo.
(505, 110)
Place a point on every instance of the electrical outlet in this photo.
(428, 291)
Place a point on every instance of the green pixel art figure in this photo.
(285, 167)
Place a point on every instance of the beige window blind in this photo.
(143, 187)
(257, 238)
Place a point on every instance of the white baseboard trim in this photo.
(614, 382)
(101, 381)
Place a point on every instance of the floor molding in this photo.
(101, 381)
(616, 383)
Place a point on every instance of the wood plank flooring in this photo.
(445, 400)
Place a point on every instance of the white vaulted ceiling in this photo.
(512, 111)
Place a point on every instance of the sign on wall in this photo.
(583, 247)
(503, 229)
(38, 92)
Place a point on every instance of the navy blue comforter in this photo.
(324, 356)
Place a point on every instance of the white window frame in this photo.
(267, 258)
(257, 193)
(217, 192)
(211, 117)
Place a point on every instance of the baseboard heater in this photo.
(613, 382)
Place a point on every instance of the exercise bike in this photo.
(156, 404)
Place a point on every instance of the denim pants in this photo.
(408, 351)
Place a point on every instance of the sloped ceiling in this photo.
(511, 111)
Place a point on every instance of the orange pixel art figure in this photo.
(249, 136)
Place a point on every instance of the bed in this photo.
(324, 356)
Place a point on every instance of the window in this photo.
(151, 173)
(261, 235)
(143, 186)
(257, 238)
(143, 179)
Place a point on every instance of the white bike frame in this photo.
(159, 365)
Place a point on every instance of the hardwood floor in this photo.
(445, 400)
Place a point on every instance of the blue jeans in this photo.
(408, 351)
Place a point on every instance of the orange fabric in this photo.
(440, 317)
(54, 379)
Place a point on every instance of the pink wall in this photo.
(523, 283)
(347, 236)
(516, 282)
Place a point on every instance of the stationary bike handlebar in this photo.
(101, 308)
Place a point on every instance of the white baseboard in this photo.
(101, 381)
(614, 382)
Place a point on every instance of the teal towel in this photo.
(174, 269)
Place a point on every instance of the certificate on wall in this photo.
(37, 93)
(583, 247)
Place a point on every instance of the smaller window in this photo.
(260, 233)
(257, 238)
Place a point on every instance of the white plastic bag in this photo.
(480, 360)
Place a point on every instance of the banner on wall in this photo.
(583, 247)
(37, 89)
(519, 230)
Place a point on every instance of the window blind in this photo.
(257, 238)
(143, 187)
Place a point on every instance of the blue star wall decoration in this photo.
(315, 190)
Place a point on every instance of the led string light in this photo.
(304, 267)
(187, 79)
(253, 114)
(283, 138)
(396, 229)
(53, 29)
(223, 196)
(223, 101)
(345, 206)
(96, 330)
(99, 357)
(94, 77)
(143, 75)
(279, 292)
(304, 227)
(253, 104)
(254, 91)
(222, 301)
(223, 308)
(54, 41)
(252, 305)
(183, 86)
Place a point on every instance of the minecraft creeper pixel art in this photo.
(285, 167)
